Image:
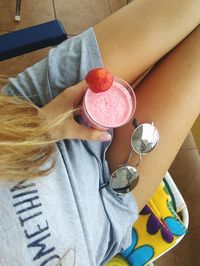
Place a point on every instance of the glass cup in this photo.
(110, 109)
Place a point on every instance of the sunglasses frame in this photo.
(131, 171)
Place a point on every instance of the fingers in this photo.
(77, 92)
(91, 134)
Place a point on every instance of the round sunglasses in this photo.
(124, 179)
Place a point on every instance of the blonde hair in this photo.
(25, 143)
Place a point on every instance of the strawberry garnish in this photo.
(99, 79)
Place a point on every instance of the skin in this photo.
(142, 34)
(69, 129)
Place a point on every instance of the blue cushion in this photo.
(30, 39)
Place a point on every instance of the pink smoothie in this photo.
(111, 108)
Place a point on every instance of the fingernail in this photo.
(105, 136)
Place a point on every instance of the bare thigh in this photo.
(139, 34)
(169, 96)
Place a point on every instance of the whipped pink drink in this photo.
(110, 109)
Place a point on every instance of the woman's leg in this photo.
(130, 41)
(138, 35)
(170, 97)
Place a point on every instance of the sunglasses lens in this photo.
(124, 179)
(144, 138)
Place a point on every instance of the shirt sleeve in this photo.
(66, 64)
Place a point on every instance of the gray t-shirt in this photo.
(43, 218)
